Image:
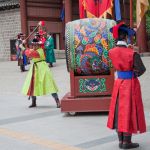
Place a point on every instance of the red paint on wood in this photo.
(76, 101)
(84, 104)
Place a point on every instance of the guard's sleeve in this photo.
(138, 66)
(32, 53)
(17, 45)
(22, 47)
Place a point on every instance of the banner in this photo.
(82, 9)
(62, 14)
(105, 7)
(95, 8)
(141, 8)
(117, 10)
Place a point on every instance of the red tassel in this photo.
(42, 23)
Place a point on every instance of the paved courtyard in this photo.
(45, 127)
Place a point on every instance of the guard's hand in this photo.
(22, 47)
(24, 41)
(130, 46)
(40, 42)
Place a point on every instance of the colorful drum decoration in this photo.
(87, 44)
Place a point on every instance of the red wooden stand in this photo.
(84, 101)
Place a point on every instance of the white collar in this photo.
(122, 43)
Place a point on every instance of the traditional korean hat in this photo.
(37, 34)
(122, 27)
(36, 42)
(20, 35)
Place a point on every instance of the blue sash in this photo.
(125, 74)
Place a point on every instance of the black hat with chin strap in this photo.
(36, 42)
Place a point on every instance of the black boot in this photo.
(55, 96)
(57, 102)
(120, 137)
(33, 102)
(50, 64)
(22, 68)
(127, 144)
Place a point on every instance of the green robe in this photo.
(49, 47)
(39, 80)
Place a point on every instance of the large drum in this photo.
(91, 77)
(87, 44)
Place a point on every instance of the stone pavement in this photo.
(45, 127)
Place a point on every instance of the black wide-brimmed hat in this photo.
(20, 35)
(36, 42)
(37, 34)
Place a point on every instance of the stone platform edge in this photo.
(59, 54)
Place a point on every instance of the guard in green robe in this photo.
(49, 48)
(39, 80)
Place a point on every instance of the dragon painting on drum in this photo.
(88, 42)
(91, 41)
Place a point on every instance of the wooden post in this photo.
(62, 36)
(68, 17)
(131, 13)
(23, 12)
(141, 36)
(68, 11)
(131, 18)
(126, 7)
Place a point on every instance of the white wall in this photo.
(10, 26)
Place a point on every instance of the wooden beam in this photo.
(37, 18)
(46, 6)
(44, 2)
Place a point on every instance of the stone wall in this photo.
(10, 26)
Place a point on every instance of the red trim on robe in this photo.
(32, 54)
(31, 88)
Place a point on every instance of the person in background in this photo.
(126, 113)
(20, 47)
(49, 48)
(39, 80)
(41, 37)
